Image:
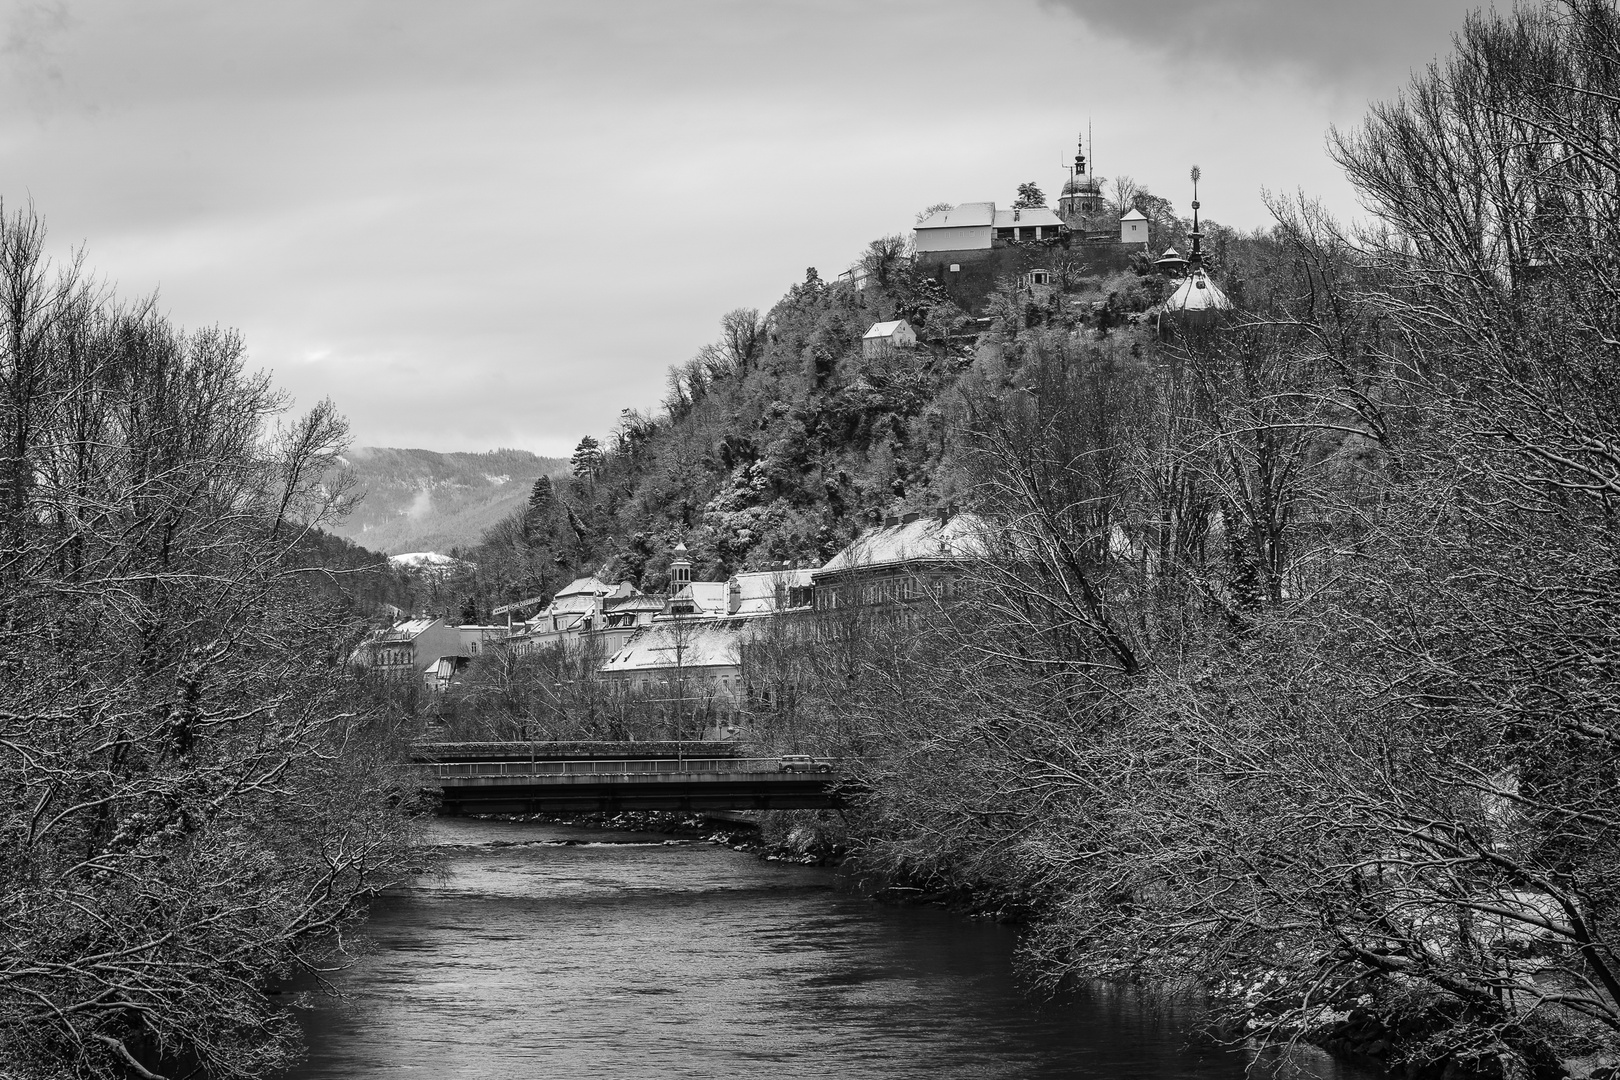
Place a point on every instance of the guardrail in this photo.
(600, 767)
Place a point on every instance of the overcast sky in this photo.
(497, 222)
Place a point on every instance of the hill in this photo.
(420, 500)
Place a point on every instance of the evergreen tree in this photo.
(587, 459)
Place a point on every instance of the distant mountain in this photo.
(419, 500)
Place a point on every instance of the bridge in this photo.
(574, 778)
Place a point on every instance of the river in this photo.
(552, 952)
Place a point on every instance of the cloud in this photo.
(29, 40)
(1366, 46)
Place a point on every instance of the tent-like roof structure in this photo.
(1196, 300)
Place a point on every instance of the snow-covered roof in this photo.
(757, 591)
(885, 329)
(1133, 214)
(589, 585)
(639, 601)
(684, 643)
(959, 217)
(1026, 218)
(927, 539)
(1197, 293)
(708, 597)
(408, 630)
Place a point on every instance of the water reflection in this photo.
(632, 958)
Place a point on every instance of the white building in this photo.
(968, 227)
(1133, 228)
(885, 337)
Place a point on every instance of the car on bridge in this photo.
(803, 763)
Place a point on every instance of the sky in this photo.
(497, 223)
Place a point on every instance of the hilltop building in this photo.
(1197, 301)
(1133, 228)
(885, 337)
(1081, 196)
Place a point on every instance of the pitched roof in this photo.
(1026, 218)
(1133, 215)
(409, 630)
(926, 539)
(689, 643)
(960, 217)
(884, 329)
(757, 590)
(709, 597)
(589, 585)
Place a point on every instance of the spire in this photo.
(1195, 258)
(1197, 302)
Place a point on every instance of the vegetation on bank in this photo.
(194, 791)
(1292, 676)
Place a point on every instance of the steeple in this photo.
(1081, 193)
(1195, 259)
(1196, 302)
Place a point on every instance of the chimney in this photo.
(733, 596)
(907, 519)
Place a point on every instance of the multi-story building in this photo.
(907, 559)
(407, 649)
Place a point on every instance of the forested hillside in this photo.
(1290, 676)
(420, 500)
(780, 440)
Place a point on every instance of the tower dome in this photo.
(1081, 194)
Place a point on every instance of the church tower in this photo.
(1082, 194)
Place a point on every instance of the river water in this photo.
(552, 952)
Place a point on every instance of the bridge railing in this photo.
(445, 770)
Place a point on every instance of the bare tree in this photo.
(194, 796)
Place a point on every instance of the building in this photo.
(1028, 224)
(885, 337)
(691, 651)
(408, 648)
(1081, 195)
(476, 640)
(695, 660)
(1196, 303)
(978, 227)
(1133, 228)
(907, 559)
(576, 610)
(766, 592)
(969, 227)
(621, 617)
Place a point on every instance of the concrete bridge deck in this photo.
(607, 785)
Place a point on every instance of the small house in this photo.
(885, 337)
(1133, 228)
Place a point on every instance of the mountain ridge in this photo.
(416, 499)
